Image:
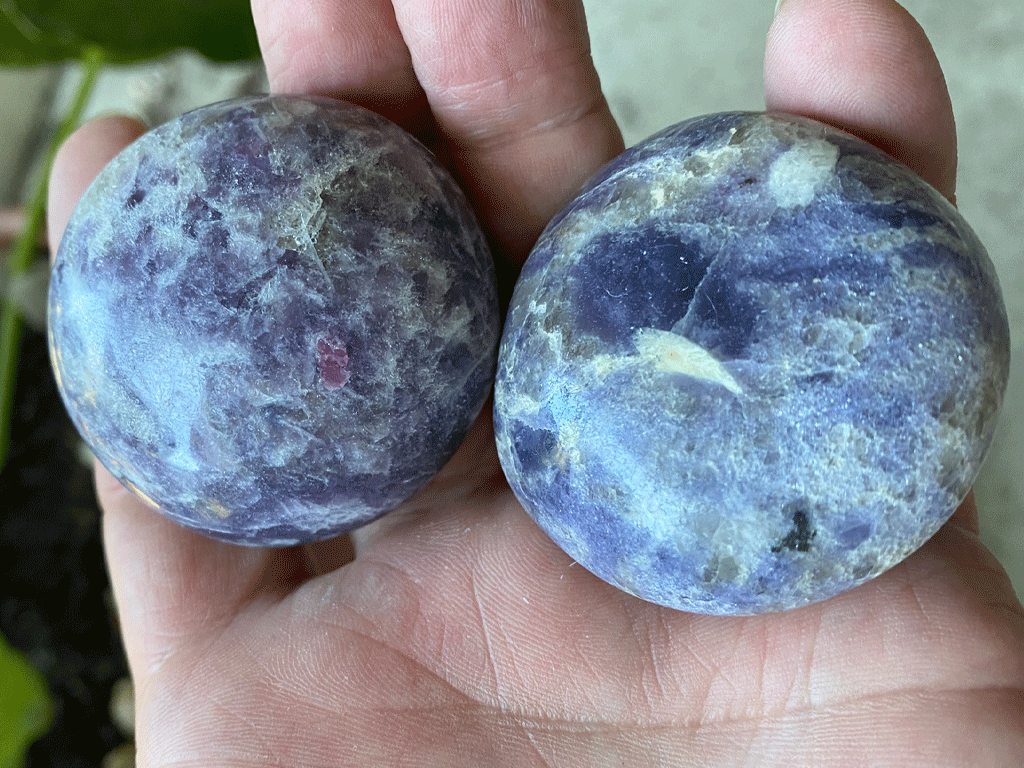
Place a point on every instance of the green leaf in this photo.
(37, 31)
(22, 43)
(26, 709)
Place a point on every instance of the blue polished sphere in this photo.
(755, 363)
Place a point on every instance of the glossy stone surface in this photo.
(754, 364)
(274, 318)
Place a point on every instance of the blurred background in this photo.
(661, 61)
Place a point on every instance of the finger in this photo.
(867, 67)
(518, 104)
(347, 49)
(78, 161)
(966, 515)
(329, 555)
(168, 582)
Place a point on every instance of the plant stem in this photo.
(24, 248)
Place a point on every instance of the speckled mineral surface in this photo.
(755, 363)
(274, 318)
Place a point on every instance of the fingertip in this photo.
(80, 158)
(349, 51)
(865, 66)
(966, 515)
(519, 108)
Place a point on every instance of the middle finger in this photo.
(346, 49)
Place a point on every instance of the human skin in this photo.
(453, 632)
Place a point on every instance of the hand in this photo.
(453, 632)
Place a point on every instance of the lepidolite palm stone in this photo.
(755, 363)
(274, 318)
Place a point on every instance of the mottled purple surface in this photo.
(274, 318)
(755, 363)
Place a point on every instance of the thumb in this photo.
(78, 162)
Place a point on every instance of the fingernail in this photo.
(778, 4)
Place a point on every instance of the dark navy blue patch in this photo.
(533, 447)
(630, 280)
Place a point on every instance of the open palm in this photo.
(452, 632)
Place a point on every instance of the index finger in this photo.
(346, 49)
(518, 103)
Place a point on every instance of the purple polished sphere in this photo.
(274, 318)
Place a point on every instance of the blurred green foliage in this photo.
(38, 31)
(25, 706)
